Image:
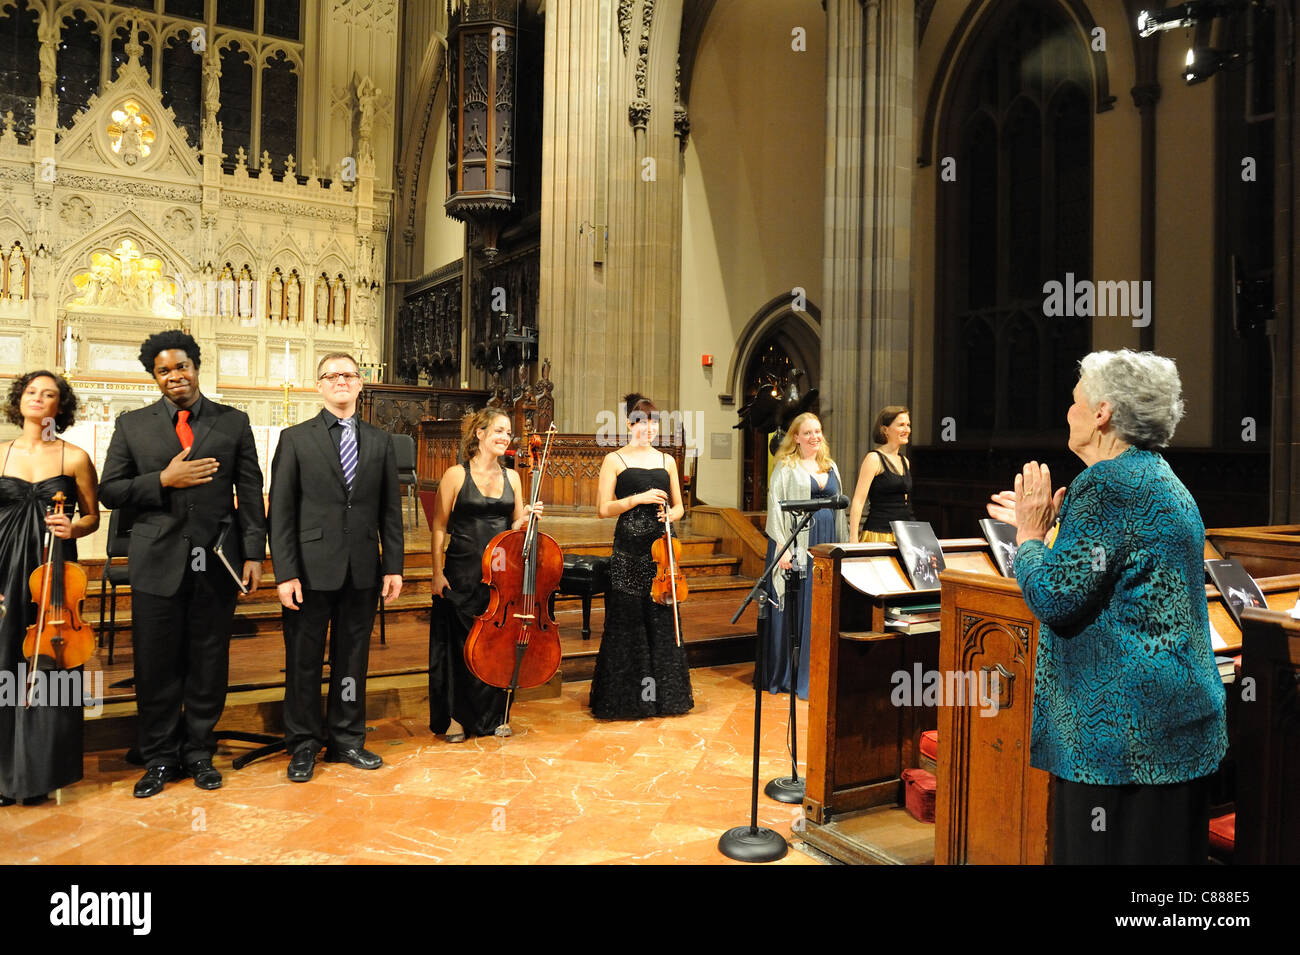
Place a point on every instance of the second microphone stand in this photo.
(790, 789)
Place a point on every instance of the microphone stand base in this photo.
(753, 844)
(788, 789)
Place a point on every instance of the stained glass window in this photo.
(236, 113)
(20, 81)
(279, 109)
(182, 84)
(78, 65)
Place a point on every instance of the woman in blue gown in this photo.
(803, 470)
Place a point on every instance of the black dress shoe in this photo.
(205, 774)
(360, 758)
(36, 800)
(301, 766)
(7, 800)
(154, 778)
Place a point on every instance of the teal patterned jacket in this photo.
(1125, 686)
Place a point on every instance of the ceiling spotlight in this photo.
(1203, 62)
(1183, 15)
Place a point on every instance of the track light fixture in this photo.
(1184, 15)
(1203, 62)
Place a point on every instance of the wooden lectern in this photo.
(992, 808)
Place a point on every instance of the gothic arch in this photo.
(979, 17)
(803, 337)
(128, 225)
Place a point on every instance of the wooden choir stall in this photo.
(991, 807)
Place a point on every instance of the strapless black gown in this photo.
(40, 746)
(640, 670)
(454, 692)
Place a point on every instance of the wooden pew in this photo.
(1271, 551)
(992, 808)
(1268, 743)
(859, 743)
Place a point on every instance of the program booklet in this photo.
(1238, 588)
(1002, 544)
(220, 551)
(920, 551)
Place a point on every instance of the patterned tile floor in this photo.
(565, 789)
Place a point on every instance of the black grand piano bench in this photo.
(584, 576)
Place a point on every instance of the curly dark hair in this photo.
(162, 341)
(67, 412)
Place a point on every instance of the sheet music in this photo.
(873, 576)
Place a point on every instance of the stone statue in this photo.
(226, 293)
(338, 300)
(17, 273)
(276, 296)
(212, 87)
(245, 293)
(291, 293)
(322, 305)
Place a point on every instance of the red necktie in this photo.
(183, 430)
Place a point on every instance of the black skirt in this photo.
(1131, 825)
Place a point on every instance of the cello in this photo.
(59, 634)
(515, 643)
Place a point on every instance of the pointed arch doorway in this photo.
(779, 347)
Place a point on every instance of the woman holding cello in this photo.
(641, 669)
(476, 501)
(40, 744)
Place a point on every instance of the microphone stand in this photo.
(790, 789)
(755, 843)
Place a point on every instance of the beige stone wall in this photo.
(444, 237)
(1185, 266)
(752, 199)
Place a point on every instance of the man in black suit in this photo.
(334, 499)
(171, 467)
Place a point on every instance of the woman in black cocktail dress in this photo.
(640, 670)
(40, 745)
(476, 501)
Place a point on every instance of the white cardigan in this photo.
(790, 482)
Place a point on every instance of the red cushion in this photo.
(1223, 833)
(919, 790)
(930, 744)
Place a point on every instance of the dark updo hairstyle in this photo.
(470, 423)
(884, 420)
(67, 412)
(164, 341)
(639, 407)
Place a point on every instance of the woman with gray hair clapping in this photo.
(1128, 705)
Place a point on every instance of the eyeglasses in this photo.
(347, 377)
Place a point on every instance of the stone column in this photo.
(610, 231)
(866, 321)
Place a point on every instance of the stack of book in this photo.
(916, 618)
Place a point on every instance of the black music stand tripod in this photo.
(790, 789)
(755, 843)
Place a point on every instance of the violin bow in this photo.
(42, 610)
(672, 572)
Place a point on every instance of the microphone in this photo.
(837, 503)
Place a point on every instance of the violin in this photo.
(669, 585)
(515, 643)
(59, 635)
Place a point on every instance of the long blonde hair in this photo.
(470, 423)
(788, 452)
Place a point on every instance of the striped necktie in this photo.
(348, 450)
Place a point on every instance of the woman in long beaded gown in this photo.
(476, 501)
(40, 745)
(640, 670)
(803, 470)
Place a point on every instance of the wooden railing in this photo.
(736, 535)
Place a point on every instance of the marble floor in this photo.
(566, 789)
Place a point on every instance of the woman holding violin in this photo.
(40, 744)
(476, 501)
(641, 669)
